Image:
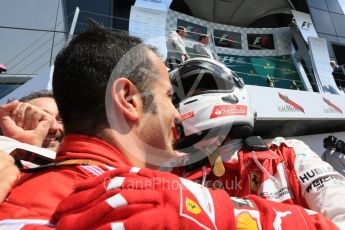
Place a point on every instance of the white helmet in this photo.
(213, 102)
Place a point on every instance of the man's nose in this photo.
(177, 116)
(56, 127)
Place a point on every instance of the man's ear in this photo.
(126, 98)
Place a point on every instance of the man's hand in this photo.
(8, 174)
(24, 122)
(186, 57)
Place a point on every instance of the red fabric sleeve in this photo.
(133, 198)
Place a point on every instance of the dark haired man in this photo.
(176, 48)
(139, 133)
(34, 119)
(141, 92)
(202, 50)
(37, 94)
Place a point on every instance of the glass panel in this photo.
(7, 88)
(100, 11)
(322, 21)
(320, 4)
(333, 6)
(121, 13)
(338, 21)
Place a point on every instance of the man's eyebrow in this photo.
(47, 111)
(58, 115)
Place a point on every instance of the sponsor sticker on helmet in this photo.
(228, 110)
(186, 116)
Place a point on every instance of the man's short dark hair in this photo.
(37, 94)
(202, 37)
(180, 28)
(82, 71)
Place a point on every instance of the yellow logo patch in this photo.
(192, 206)
(246, 222)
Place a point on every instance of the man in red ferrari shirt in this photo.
(34, 119)
(88, 149)
(216, 113)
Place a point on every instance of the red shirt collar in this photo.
(75, 146)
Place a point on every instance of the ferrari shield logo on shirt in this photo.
(196, 204)
(254, 180)
(228, 110)
(192, 206)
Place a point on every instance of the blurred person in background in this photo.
(34, 119)
(202, 49)
(338, 74)
(176, 48)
